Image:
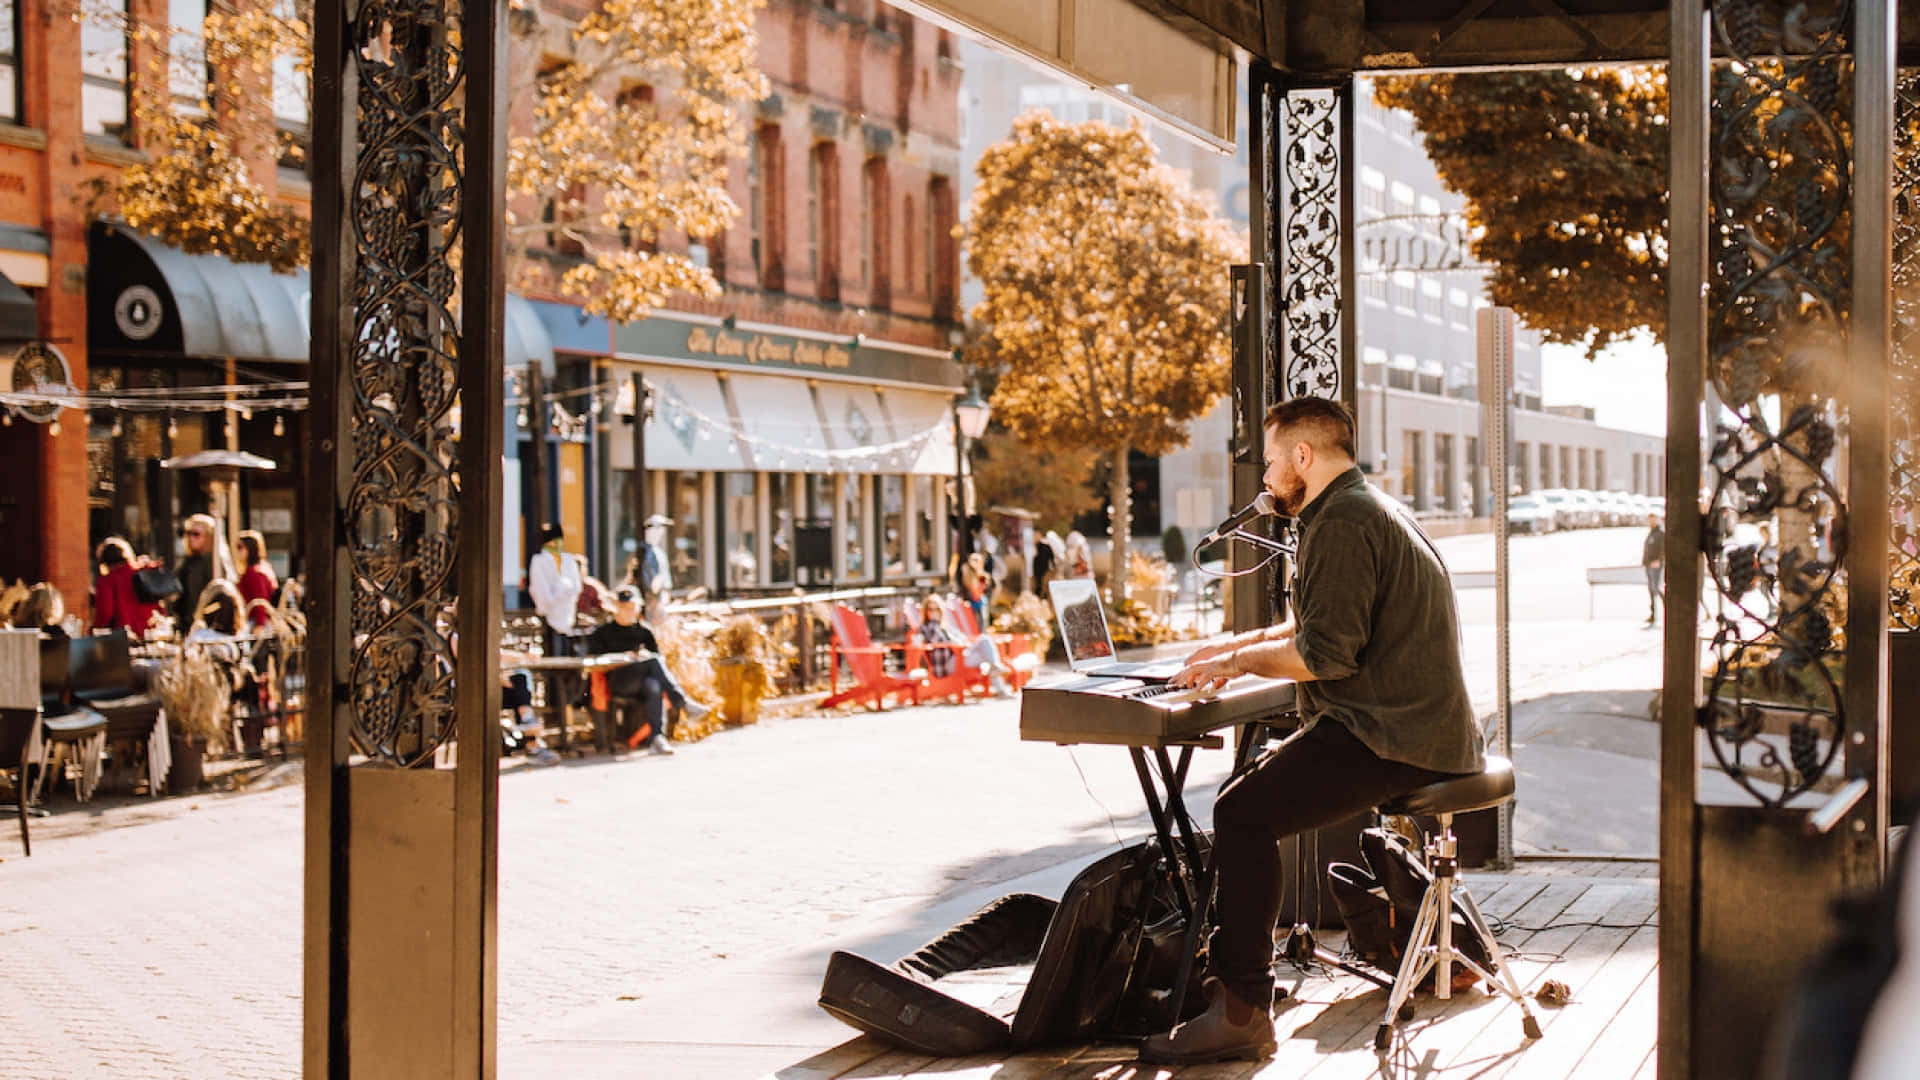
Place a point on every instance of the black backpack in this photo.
(1381, 903)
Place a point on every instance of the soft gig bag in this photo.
(1104, 961)
(1381, 902)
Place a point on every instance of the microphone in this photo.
(1261, 505)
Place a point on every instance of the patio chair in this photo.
(1021, 664)
(68, 733)
(100, 672)
(19, 732)
(958, 680)
(867, 661)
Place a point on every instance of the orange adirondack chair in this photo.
(872, 685)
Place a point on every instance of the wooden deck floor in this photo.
(1589, 925)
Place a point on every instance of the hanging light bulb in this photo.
(6, 418)
(520, 417)
(279, 425)
(53, 428)
(86, 419)
(117, 429)
(246, 413)
(173, 428)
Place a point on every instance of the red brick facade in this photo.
(864, 100)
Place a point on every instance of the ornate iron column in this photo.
(1780, 303)
(1301, 154)
(403, 511)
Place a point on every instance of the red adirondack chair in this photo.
(872, 686)
(1021, 661)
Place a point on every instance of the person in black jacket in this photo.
(646, 680)
(1653, 554)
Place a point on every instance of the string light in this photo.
(246, 413)
(279, 425)
(6, 418)
(173, 428)
(53, 428)
(117, 429)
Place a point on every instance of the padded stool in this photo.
(1431, 947)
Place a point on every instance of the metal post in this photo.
(534, 480)
(642, 412)
(963, 544)
(1869, 517)
(403, 512)
(1687, 89)
(1495, 332)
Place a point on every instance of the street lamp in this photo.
(970, 415)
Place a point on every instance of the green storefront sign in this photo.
(719, 346)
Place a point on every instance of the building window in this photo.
(766, 223)
(927, 535)
(1403, 291)
(1444, 491)
(909, 261)
(823, 213)
(853, 524)
(1403, 202)
(1373, 281)
(1413, 474)
(893, 526)
(103, 67)
(943, 259)
(187, 55)
(684, 505)
(1433, 304)
(1600, 471)
(742, 539)
(1401, 375)
(1373, 191)
(9, 61)
(874, 229)
(292, 104)
(1373, 366)
(1566, 466)
(783, 498)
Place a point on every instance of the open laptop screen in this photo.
(1083, 622)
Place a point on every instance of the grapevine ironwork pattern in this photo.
(1267, 145)
(1779, 304)
(1903, 577)
(1311, 245)
(401, 519)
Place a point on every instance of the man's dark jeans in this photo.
(652, 685)
(1316, 778)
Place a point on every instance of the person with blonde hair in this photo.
(43, 609)
(207, 560)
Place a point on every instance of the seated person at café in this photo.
(981, 654)
(647, 681)
(44, 609)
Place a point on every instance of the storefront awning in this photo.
(147, 299)
(781, 423)
(692, 429)
(926, 422)
(19, 321)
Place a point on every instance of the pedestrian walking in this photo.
(1653, 554)
(555, 580)
(117, 604)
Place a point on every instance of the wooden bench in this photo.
(1613, 575)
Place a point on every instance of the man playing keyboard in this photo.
(1374, 645)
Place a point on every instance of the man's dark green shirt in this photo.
(1376, 624)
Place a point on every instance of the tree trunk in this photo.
(1120, 497)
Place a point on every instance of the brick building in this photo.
(807, 394)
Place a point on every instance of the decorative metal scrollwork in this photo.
(1779, 305)
(1266, 145)
(401, 518)
(1903, 571)
(1311, 245)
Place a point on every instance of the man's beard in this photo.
(1290, 493)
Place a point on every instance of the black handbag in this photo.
(155, 584)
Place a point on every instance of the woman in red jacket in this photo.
(115, 603)
(256, 582)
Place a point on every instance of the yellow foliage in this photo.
(1105, 280)
(619, 167)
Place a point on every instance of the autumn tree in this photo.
(628, 139)
(1051, 481)
(1565, 178)
(1105, 278)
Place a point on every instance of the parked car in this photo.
(1621, 508)
(1529, 514)
(1566, 515)
(1593, 513)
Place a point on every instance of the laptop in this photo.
(1083, 630)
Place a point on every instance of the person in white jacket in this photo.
(554, 580)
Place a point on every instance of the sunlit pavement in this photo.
(651, 896)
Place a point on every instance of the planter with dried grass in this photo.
(196, 691)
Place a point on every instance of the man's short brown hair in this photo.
(1325, 422)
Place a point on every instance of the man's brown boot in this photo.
(1213, 1035)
